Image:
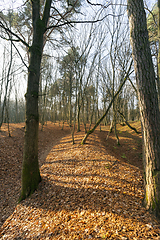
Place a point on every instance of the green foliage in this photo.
(71, 5)
(152, 24)
(69, 68)
(107, 166)
(123, 156)
(70, 62)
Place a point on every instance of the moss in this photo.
(156, 173)
(145, 200)
(90, 131)
(153, 204)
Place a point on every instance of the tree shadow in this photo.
(11, 164)
(129, 150)
(74, 192)
(55, 197)
(80, 191)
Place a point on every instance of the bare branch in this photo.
(99, 4)
(14, 34)
(85, 21)
(20, 55)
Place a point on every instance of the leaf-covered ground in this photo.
(93, 191)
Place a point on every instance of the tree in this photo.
(30, 169)
(41, 30)
(68, 69)
(148, 103)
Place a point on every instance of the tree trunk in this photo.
(78, 118)
(70, 99)
(148, 103)
(7, 84)
(30, 168)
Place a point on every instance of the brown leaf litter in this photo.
(93, 191)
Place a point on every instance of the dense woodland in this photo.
(71, 62)
(79, 72)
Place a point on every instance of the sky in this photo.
(6, 4)
(150, 3)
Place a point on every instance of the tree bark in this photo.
(30, 168)
(148, 103)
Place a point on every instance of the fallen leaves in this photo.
(85, 193)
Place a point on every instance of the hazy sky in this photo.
(150, 3)
(4, 4)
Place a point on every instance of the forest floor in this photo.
(94, 191)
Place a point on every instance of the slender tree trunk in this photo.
(83, 116)
(30, 168)
(109, 106)
(87, 109)
(115, 128)
(16, 106)
(78, 118)
(148, 103)
(110, 130)
(70, 100)
(6, 89)
(7, 115)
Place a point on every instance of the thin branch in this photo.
(150, 11)
(99, 4)
(132, 85)
(88, 21)
(62, 16)
(9, 39)
(14, 34)
(46, 12)
(103, 6)
(20, 55)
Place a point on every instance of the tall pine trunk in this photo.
(148, 103)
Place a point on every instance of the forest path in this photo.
(93, 191)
